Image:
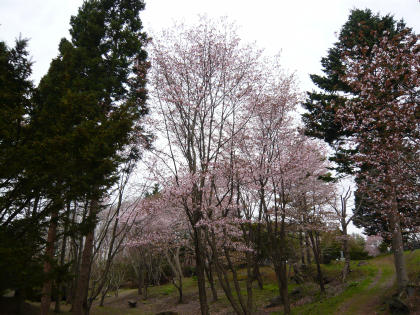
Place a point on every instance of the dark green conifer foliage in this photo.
(65, 140)
(20, 238)
(15, 107)
(92, 97)
(89, 105)
(322, 104)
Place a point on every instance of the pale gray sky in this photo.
(302, 30)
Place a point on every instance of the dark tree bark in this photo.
(49, 256)
(210, 278)
(307, 250)
(62, 258)
(346, 268)
(200, 265)
(80, 306)
(398, 248)
(317, 257)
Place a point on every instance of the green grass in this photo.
(413, 264)
(323, 305)
(358, 292)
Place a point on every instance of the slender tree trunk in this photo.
(225, 284)
(317, 257)
(256, 267)
(398, 249)
(62, 258)
(59, 283)
(302, 248)
(78, 251)
(249, 280)
(179, 274)
(222, 275)
(209, 273)
(281, 274)
(80, 306)
(346, 268)
(236, 284)
(200, 265)
(140, 280)
(175, 266)
(49, 254)
(102, 301)
(103, 295)
(112, 250)
(180, 292)
(80, 301)
(308, 249)
(257, 275)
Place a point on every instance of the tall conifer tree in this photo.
(89, 105)
(322, 104)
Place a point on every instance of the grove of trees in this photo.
(230, 179)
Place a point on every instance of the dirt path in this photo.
(367, 301)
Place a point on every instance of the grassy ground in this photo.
(369, 286)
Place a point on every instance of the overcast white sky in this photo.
(302, 30)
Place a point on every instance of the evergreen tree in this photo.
(20, 228)
(88, 110)
(322, 105)
(15, 105)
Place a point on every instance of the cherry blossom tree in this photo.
(229, 154)
(313, 195)
(340, 205)
(277, 165)
(385, 123)
(162, 228)
(200, 80)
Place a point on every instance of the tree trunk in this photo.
(209, 273)
(257, 275)
(175, 266)
(181, 296)
(236, 285)
(200, 264)
(140, 280)
(80, 306)
(317, 257)
(59, 283)
(49, 254)
(77, 252)
(62, 258)
(180, 275)
(225, 284)
(301, 248)
(398, 250)
(308, 250)
(346, 268)
(256, 267)
(249, 280)
(281, 274)
(103, 295)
